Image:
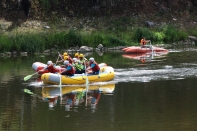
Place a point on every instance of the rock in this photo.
(47, 27)
(2, 54)
(8, 53)
(14, 53)
(100, 46)
(149, 23)
(85, 48)
(193, 38)
(97, 50)
(47, 51)
(23, 53)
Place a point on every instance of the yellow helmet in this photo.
(65, 54)
(65, 57)
(81, 55)
(76, 54)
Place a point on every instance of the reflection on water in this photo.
(73, 96)
(146, 57)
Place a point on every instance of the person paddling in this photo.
(94, 66)
(78, 66)
(50, 67)
(66, 58)
(69, 69)
(83, 61)
(143, 42)
(76, 56)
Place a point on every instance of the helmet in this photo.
(91, 59)
(65, 57)
(49, 62)
(81, 55)
(75, 59)
(66, 62)
(65, 54)
(76, 54)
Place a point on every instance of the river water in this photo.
(152, 92)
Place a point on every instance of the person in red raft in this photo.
(50, 67)
(94, 66)
(143, 42)
(69, 69)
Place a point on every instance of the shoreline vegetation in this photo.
(37, 37)
(36, 26)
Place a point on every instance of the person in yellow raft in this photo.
(76, 56)
(143, 42)
(84, 62)
(79, 68)
(65, 57)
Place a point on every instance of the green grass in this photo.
(114, 35)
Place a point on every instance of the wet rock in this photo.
(23, 53)
(85, 48)
(100, 46)
(8, 53)
(97, 49)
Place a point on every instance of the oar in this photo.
(29, 76)
(87, 82)
(152, 53)
(60, 55)
(57, 60)
(60, 85)
(151, 46)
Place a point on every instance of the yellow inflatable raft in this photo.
(106, 74)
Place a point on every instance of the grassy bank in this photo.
(115, 34)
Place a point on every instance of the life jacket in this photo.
(96, 67)
(72, 70)
(84, 60)
(78, 66)
(52, 69)
(143, 42)
(70, 60)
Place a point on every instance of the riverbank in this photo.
(33, 36)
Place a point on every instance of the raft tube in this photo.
(106, 74)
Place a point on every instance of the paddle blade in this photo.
(27, 77)
(87, 84)
(60, 85)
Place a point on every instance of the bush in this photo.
(5, 43)
(158, 37)
(173, 35)
(139, 33)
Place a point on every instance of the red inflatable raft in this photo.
(145, 49)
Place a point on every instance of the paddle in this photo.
(60, 56)
(152, 53)
(60, 86)
(29, 76)
(87, 82)
(57, 60)
(151, 47)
